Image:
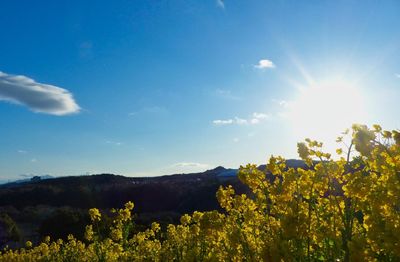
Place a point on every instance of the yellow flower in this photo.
(28, 244)
(89, 233)
(47, 239)
(129, 205)
(185, 219)
(303, 150)
(94, 214)
(155, 227)
(116, 234)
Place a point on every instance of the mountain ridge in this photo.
(219, 171)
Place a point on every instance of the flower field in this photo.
(342, 208)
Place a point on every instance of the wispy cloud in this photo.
(284, 107)
(281, 103)
(257, 118)
(260, 116)
(240, 121)
(38, 97)
(264, 64)
(397, 75)
(220, 4)
(189, 164)
(226, 94)
(114, 143)
(33, 160)
(22, 151)
(254, 119)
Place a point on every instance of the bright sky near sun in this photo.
(142, 88)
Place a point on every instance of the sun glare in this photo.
(323, 110)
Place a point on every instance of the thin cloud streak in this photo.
(189, 164)
(221, 4)
(255, 118)
(223, 122)
(113, 143)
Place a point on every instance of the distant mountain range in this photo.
(24, 180)
(177, 193)
(219, 171)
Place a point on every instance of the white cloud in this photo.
(237, 120)
(254, 121)
(189, 164)
(255, 118)
(260, 115)
(264, 64)
(221, 4)
(38, 97)
(22, 151)
(397, 75)
(33, 160)
(236, 139)
(223, 122)
(240, 121)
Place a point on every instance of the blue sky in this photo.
(158, 87)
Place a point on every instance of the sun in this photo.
(324, 109)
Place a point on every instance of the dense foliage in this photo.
(346, 209)
(8, 228)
